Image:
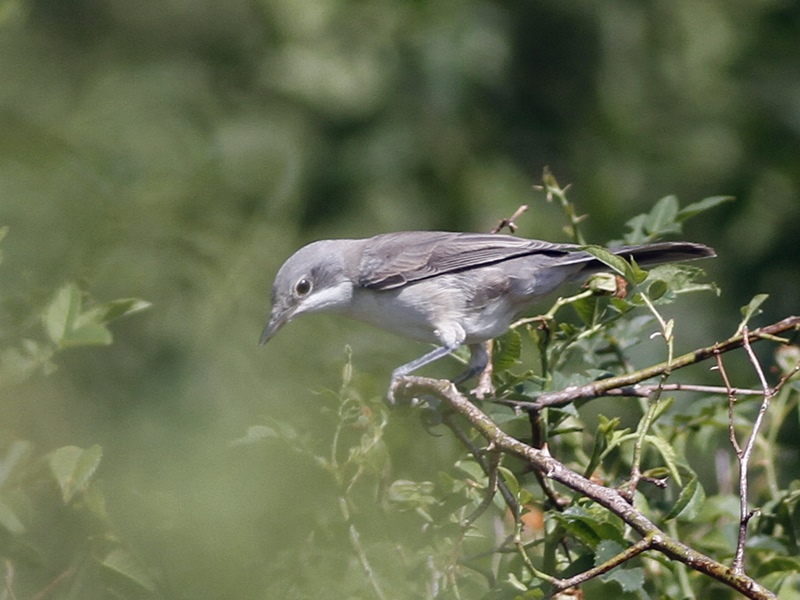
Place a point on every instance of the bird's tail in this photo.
(648, 255)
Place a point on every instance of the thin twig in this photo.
(630, 552)
(510, 222)
(599, 388)
(744, 457)
(355, 541)
(731, 392)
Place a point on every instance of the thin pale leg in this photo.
(418, 363)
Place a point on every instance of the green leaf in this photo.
(667, 454)
(689, 501)
(602, 438)
(62, 312)
(615, 262)
(507, 351)
(412, 495)
(125, 564)
(587, 527)
(630, 580)
(121, 307)
(68, 327)
(662, 217)
(657, 289)
(694, 209)
(637, 234)
(752, 309)
(587, 309)
(73, 467)
(3, 232)
(9, 520)
(17, 452)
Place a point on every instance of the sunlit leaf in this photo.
(62, 312)
(9, 520)
(68, 326)
(73, 467)
(125, 564)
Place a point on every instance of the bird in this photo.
(444, 288)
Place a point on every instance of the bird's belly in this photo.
(430, 312)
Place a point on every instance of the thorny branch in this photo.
(653, 538)
(743, 454)
(609, 498)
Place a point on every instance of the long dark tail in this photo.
(648, 255)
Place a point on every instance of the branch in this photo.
(510, 222)
(609, 498)
(600, 388)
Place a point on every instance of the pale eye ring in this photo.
(302, 287)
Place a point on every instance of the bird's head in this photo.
(313, 279)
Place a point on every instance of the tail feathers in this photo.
(648, 255)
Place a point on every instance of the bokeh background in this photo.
(179, 151)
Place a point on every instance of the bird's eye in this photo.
(302, 287)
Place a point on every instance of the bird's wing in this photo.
(395, 259)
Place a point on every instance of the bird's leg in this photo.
(412, 366)
(478, 359)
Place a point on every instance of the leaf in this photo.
(662, 217)
(694, 209)
(61, 312)
(412, 495)
(586, 309)
(255, 434)
(637, 234)
(125, 564)
(9, 520)
(73, 467)
(17, 451)
(618, 264)
(602, 437)
(667, 454)
(507, 351)
(630, 580)
(657, 289)
(121, 307)
(689, 501)
(585, 526)
(3, 232)
(752, 309)
(68, 327)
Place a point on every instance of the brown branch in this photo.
(644, 544)
(510, 221)
(600, 388)
(609, 498)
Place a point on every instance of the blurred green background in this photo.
(179, 151)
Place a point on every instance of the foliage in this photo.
(493, 526)
(179, 151)
(56, 536)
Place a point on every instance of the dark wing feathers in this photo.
(395, 259)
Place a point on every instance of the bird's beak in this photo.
(277, 319)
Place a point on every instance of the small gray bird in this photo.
(438, 287)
